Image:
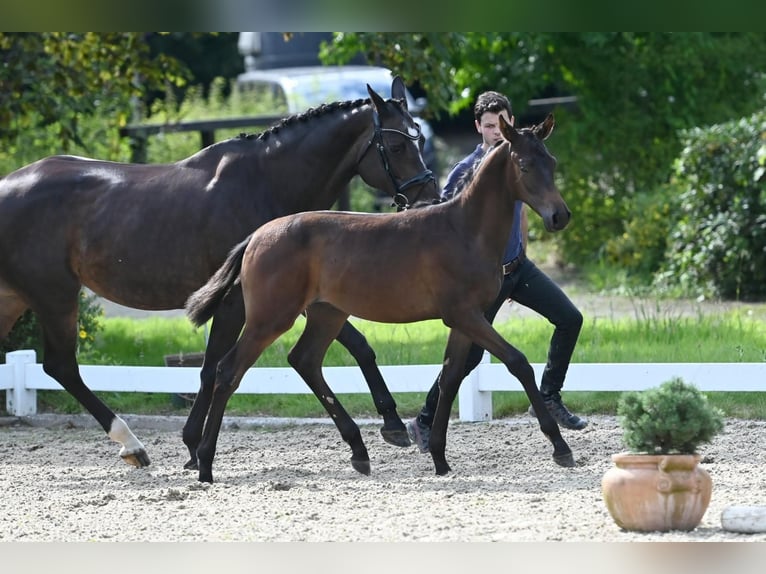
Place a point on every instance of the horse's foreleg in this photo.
(60, 363)
(323, 322)
(224, 330)
(393, 430)
(517, 364)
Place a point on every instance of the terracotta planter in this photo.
(656, 492)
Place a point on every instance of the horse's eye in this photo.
(397, 148)
(523, 167)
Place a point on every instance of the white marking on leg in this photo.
(121, 433)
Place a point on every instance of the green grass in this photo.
(726, 337)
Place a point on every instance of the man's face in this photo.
(489, 127)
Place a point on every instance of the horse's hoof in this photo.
(191, 465)
(566, 460)
(396, 437)
(139, 459)
(362, 466)
(442, 468)
(205, 476)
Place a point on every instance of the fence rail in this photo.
(21, 377)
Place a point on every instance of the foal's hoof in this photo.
(139, 459)
(192, 464)
(362, 466)
(566, 460)
(396, 437)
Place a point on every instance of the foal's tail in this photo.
(203, 303)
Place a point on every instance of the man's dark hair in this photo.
(493, 102)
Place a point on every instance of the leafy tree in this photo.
(56, 78)
(635, 91)
(208, 57)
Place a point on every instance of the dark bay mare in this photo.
(146, 236)
(442, 261)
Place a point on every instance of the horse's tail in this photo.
(203, 303)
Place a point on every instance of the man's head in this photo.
(489, 106)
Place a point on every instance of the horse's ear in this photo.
(397, 90)
(377, 101)
(544, 129)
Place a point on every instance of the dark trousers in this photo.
(532, 288)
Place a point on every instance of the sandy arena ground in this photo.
(63, 481)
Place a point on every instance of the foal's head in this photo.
(535, 167)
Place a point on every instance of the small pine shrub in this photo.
(672, 418)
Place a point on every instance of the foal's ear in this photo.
(509, 132)
(544, 129)
(397, 90)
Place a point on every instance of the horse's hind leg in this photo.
(12, 308)
(60, 362)
(225, 328)
(393, 430)
(323, 322)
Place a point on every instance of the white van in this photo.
(296, 89)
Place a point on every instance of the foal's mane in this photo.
(468, 176)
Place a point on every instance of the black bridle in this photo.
(401, 201)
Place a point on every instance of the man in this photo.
(523, 282)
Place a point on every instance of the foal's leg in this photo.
(476, 327)
(227, 323)
(60, 362)
(229, 374)
(453, 372)
(393, 430)
(323, 322)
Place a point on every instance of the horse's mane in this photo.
(295, 119)
(303, 117)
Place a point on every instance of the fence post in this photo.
(19, 400)
(475, 405)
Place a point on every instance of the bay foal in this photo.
(441, 261)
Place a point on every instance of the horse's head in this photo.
(392, 159)
(535, 166)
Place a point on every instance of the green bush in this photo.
(717, 248)
(598, 215)
(26, 333)
(640, 249)
(672, 418)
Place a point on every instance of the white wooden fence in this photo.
(21, 377)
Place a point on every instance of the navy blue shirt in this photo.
(513, 247)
